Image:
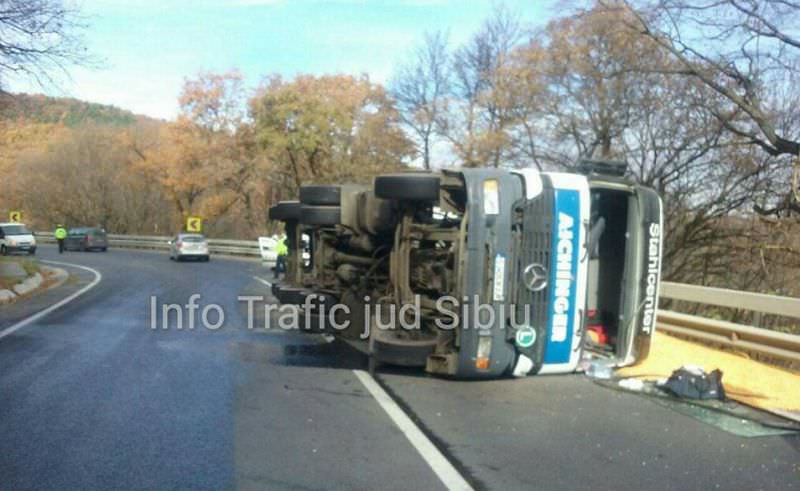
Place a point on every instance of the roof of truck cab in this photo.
(600, 180)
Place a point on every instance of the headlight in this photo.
(12, 242)
(491, 197)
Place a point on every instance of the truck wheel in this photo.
(324, 216)
(315, 324)
(275, 289)
(407, 187)
(291, 295)
(321, 195)
(285, 211)
(388, 348)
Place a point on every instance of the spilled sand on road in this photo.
(745, 380)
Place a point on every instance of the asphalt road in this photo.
(92, 398)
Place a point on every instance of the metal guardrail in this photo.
(721, 297)
(751, 339)
(746, 338)
(158, 242)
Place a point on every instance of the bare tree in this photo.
(591, 103)
(419, 90)
(479, 116)
(37, 37)
(590, 99)
(746, 51)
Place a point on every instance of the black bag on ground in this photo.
(695, 384)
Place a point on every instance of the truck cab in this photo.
(605, 307)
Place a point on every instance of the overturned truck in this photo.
(479, 273)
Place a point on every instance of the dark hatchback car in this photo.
(86, 239)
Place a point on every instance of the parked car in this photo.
(86, 239)
(578, 252)
(188, 246)
(15, 237)
(266, 245)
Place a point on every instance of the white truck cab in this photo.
(601, 237)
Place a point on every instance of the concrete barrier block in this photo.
(23, 288)
(36, 280)
(6, 296)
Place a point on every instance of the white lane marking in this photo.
(263, 281)
(442, 467)
(35, 317)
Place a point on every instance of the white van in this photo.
(15, 237)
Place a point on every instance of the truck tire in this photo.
(318, 195)
(291, 295)
(407, 187)
(313, 323)
(323, 216)
(385, 348)
(285, 211)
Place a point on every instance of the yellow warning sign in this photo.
(15, 216)
(194, 224)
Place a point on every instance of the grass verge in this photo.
(30, 265)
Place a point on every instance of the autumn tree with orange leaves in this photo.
(206, 161)
(335, 128)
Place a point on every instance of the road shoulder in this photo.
(78, 279)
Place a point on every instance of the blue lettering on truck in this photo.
(563, 276)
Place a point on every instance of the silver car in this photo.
(191, 246)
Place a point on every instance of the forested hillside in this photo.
(36, 108)
(229, 154)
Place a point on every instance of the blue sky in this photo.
(148, 47)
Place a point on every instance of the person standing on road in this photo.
(283, 251)
(60, 234)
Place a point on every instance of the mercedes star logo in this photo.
(535, 277)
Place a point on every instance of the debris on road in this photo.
(747, 381)
(632, 384)
(600, 368)
(691, 382)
